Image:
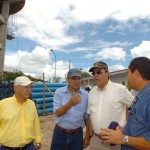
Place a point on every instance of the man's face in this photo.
(100, 75)
(74, 82)
(23, 91)
(130, 77)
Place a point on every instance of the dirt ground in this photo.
(47, 126)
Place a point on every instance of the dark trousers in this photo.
(67, 141)
(30, 147)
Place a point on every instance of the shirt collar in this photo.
(67, 90)
(16, 101)
(106, 87)
(144, 90)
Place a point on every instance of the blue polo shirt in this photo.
(138, 123)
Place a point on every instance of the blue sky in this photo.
(78, 31)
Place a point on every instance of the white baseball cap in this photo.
(24, 81)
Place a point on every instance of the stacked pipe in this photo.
(43, 96)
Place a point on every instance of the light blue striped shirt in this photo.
(75, 116)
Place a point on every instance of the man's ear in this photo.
(136, 72)
(67, 80)
(14, 88)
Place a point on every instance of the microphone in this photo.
(113, 125)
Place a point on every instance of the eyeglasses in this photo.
(98, 72)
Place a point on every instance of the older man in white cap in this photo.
(19, 123)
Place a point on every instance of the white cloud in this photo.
(33, 61)
(113, 53)
(88, 56)
(116, 67)
(47, 22)
(61, 70)
(102, 44)
(111, 50)
(36, 63)
(142, 50)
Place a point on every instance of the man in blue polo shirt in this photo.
(136, 133)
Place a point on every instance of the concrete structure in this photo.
(119, 76)
(7, 7)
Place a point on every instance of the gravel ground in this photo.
(47, 126)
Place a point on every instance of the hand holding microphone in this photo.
(113, 125)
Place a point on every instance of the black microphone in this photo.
(113, 125)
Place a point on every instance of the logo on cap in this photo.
(100, 65)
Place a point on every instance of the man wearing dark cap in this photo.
(70, 105)
(19, 123)
(107, 102)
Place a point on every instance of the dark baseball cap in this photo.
(74, 73)
(100, 65)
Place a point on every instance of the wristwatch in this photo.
(125, 139)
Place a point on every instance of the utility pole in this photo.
(55, 62)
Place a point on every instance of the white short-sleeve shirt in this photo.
(108, 105)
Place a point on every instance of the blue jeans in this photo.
(66, 141)
(30, 147)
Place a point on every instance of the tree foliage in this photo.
(85, 74)
(12, 75)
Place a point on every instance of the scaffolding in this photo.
(11, 27)
(7, 29)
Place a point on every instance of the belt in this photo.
(68, 131)
(17, 148)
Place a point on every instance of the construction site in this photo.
(8, 8)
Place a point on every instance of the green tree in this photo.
(85, 74)
(12, 75)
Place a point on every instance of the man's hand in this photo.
(112, 136)
(38, 146)
(120, 128)
(75, 99)
(86, 141)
